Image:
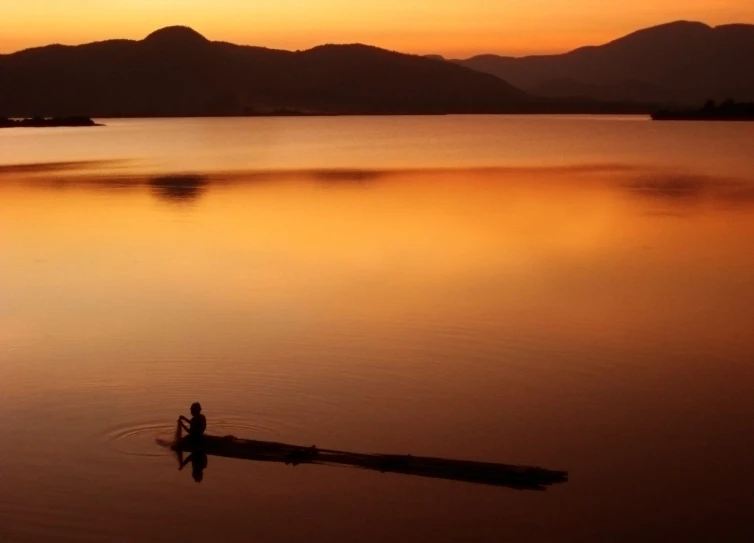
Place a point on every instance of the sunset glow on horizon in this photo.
(449, 27)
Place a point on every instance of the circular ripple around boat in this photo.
(155, 438)
(147, 439)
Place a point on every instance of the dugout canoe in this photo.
(488, 473)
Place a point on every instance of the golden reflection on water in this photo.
(522, 315)
(592, 255)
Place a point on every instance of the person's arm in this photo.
(185, 462)
(183, 424)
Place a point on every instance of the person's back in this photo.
(198, 425)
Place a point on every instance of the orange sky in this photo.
(449, 27)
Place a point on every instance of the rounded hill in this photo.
(176, 35)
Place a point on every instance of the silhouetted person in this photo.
(198, 462)
(196, 425)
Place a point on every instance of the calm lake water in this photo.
(569, 292)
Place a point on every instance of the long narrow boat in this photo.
(518, 477)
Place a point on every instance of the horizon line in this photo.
(445, 56)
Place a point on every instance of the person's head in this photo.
(196, 408)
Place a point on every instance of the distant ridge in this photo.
(683, 62)
(176, 71)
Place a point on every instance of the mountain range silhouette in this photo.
(176, 71)
(681, 62)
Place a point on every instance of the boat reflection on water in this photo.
(503, 475)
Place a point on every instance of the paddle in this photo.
(178, 432)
